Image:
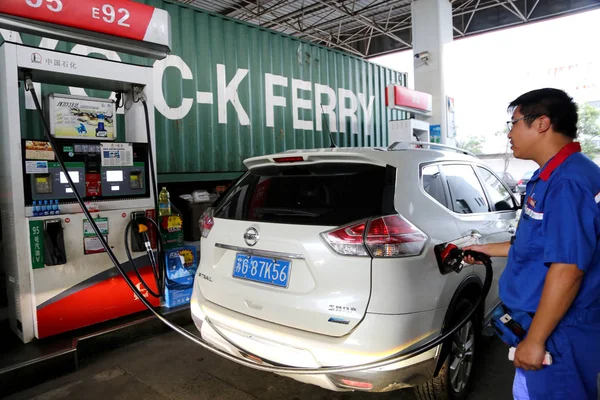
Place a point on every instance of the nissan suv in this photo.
(326, 258)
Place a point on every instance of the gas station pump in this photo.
(59, 277)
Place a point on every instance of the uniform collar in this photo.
(558, 159)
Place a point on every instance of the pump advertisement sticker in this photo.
(117, 155)
(36, 167)
(93, 245)
(36, 150)
(82, 117)
(102, 223)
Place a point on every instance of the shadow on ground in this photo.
(168, 366)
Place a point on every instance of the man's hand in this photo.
(490, 249)
(530, 355)
(481, 248)
(560, 289)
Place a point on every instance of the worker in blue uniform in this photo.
(552, 275)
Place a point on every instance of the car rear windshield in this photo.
(329, 194)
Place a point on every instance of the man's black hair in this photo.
(553, 103)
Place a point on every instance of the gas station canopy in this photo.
(369, 28)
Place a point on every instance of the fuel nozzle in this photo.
(477, 256)
(450, 258)
(141, 241)
(143, 230)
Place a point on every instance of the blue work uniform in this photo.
(560, 223)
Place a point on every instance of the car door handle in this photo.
(511, 229)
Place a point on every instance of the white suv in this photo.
(325, 258)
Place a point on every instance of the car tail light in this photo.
(520, 182)
(206, 223)
(389, 236)
(394, 236)
(348, 240)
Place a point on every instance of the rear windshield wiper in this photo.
(285, 211)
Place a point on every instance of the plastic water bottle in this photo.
(164, 203)
(45, 208)
(35, 208)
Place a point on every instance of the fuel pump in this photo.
(59, 277)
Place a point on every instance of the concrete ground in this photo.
(167, 366)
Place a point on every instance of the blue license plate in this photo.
(262, 269)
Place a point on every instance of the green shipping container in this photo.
(230, 91)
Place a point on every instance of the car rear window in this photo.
(330, 194)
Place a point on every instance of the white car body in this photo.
(342, 309)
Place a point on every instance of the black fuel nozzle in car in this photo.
(450, 257)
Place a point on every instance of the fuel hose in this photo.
(266, 365)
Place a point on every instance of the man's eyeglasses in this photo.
(510, 124)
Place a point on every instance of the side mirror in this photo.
(503, 205)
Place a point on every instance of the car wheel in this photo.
(456, 375)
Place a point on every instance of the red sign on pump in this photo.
(93, 185)
(402, 98)
(123, 18)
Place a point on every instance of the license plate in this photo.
(262, 269)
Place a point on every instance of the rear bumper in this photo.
(376, 337)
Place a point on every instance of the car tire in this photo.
(456, 375)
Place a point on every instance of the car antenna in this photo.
(332, 146)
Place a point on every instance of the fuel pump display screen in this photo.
(124, 180)
(73, 174)
(54, 184)
(114, 176)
